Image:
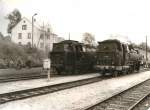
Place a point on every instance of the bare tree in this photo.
(88, 38)
(14, 17)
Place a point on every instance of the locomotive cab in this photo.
(109, 53)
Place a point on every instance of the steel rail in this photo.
(19, 78)
(139, 101)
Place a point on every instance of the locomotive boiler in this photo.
(116, 58)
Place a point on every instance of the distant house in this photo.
(42, 39)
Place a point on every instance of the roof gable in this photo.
(24, 18)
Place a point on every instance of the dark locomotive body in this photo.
(71, 57)
(116, 58)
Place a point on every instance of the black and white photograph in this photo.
(74, 55)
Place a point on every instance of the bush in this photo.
(2, 64)
(11, 54)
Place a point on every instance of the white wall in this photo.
(18, 29)
(36, 39)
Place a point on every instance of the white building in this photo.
(42, 39)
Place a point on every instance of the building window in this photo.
(24, 27)
(41, 45)
(19, 43)
(19, 35)
(24, 21)
(41, 36)
(29, 35)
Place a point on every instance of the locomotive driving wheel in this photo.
(115, 73)
(125, 71)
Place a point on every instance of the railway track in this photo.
(22, 77)
(17, 95)
(144, 104)
(126, 100)
(19, 77)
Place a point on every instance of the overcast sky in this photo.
(129, 18)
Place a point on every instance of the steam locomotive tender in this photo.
(116, 58)
(71, 57)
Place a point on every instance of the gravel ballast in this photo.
(28, 84)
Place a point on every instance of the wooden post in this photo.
(48, 74)
(46, 66)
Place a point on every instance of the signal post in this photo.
(46, 66)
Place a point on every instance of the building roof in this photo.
(24, 18)
(35, 25)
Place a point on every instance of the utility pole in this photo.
(33, 28)
(146, 49)
(44, 37)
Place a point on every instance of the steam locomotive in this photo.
(72, 57)
(115, 57)
(110, 56)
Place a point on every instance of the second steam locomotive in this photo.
(115, 57)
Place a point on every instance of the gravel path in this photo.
(79, 97)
